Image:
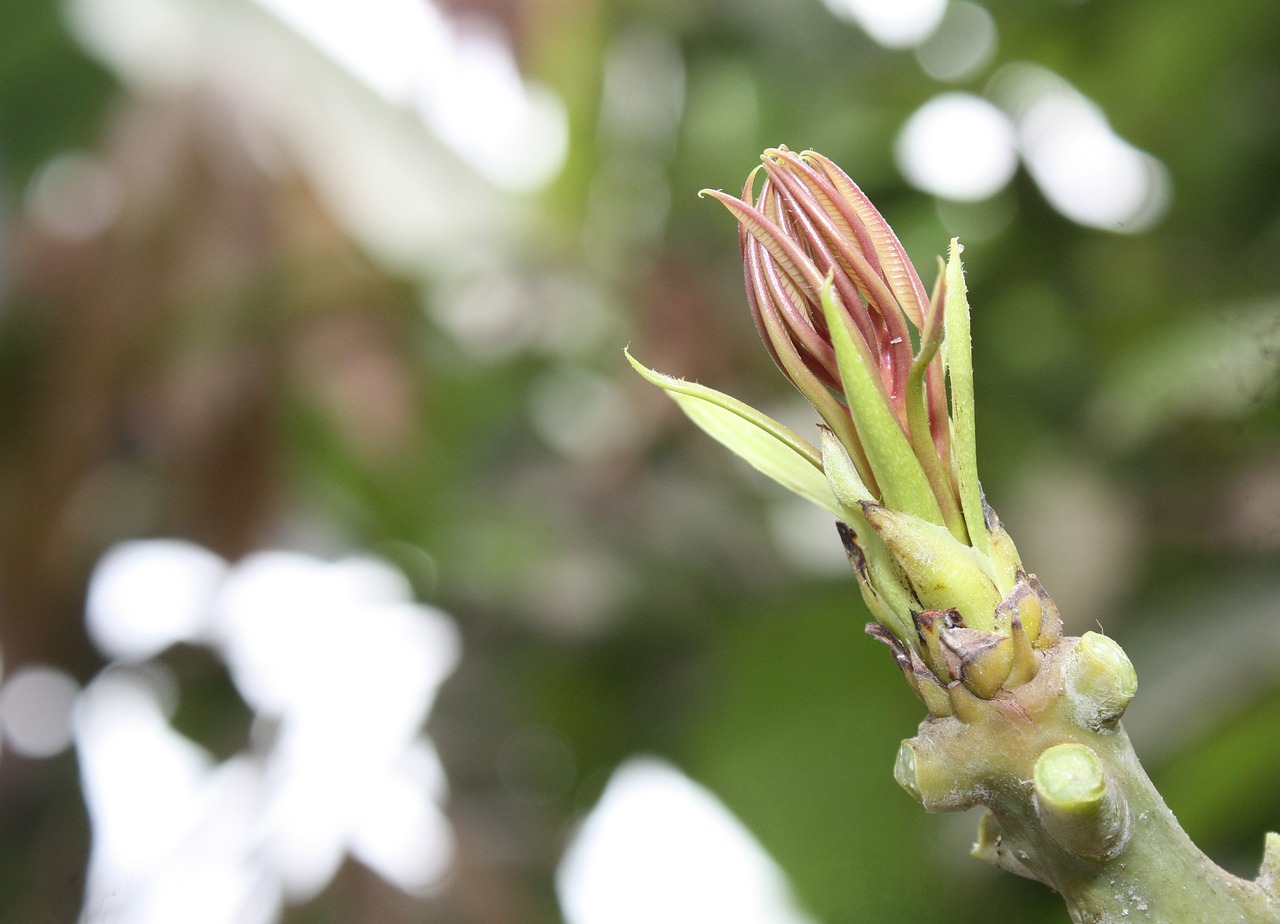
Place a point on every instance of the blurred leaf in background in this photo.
(353, 281)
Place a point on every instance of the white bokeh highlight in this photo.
(892, 23)
(963, 44)
(339, 654)
(36, 703)
(958, 146)
(170, 829)
(343, 667)
(1083, 167)
(414, 128)
(73, 196)
(463, 82)
(144, 596)
(660, 847)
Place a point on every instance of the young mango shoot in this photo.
(1021, 719)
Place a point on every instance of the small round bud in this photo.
(904, 770)
(1103, 681)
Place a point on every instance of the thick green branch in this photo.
(1069, 803)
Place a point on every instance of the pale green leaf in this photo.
(774, 449)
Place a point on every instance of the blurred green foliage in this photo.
(169, 379)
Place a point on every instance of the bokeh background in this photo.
(343, 560)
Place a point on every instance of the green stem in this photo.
(1069, 803)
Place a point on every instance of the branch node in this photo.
(1077, 806)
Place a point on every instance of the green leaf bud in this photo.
(1022, 604)
(904, 770)
(1102, 681)
(945, 573)
(1002, 552)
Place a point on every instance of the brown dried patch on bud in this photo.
(989, 516)
(1022, 604)
(926, 686)
(1050, 619)
(1021, 607)
(982, 660)
(901, 655)
(929, 625)
(856, 559)
(1002, 552)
